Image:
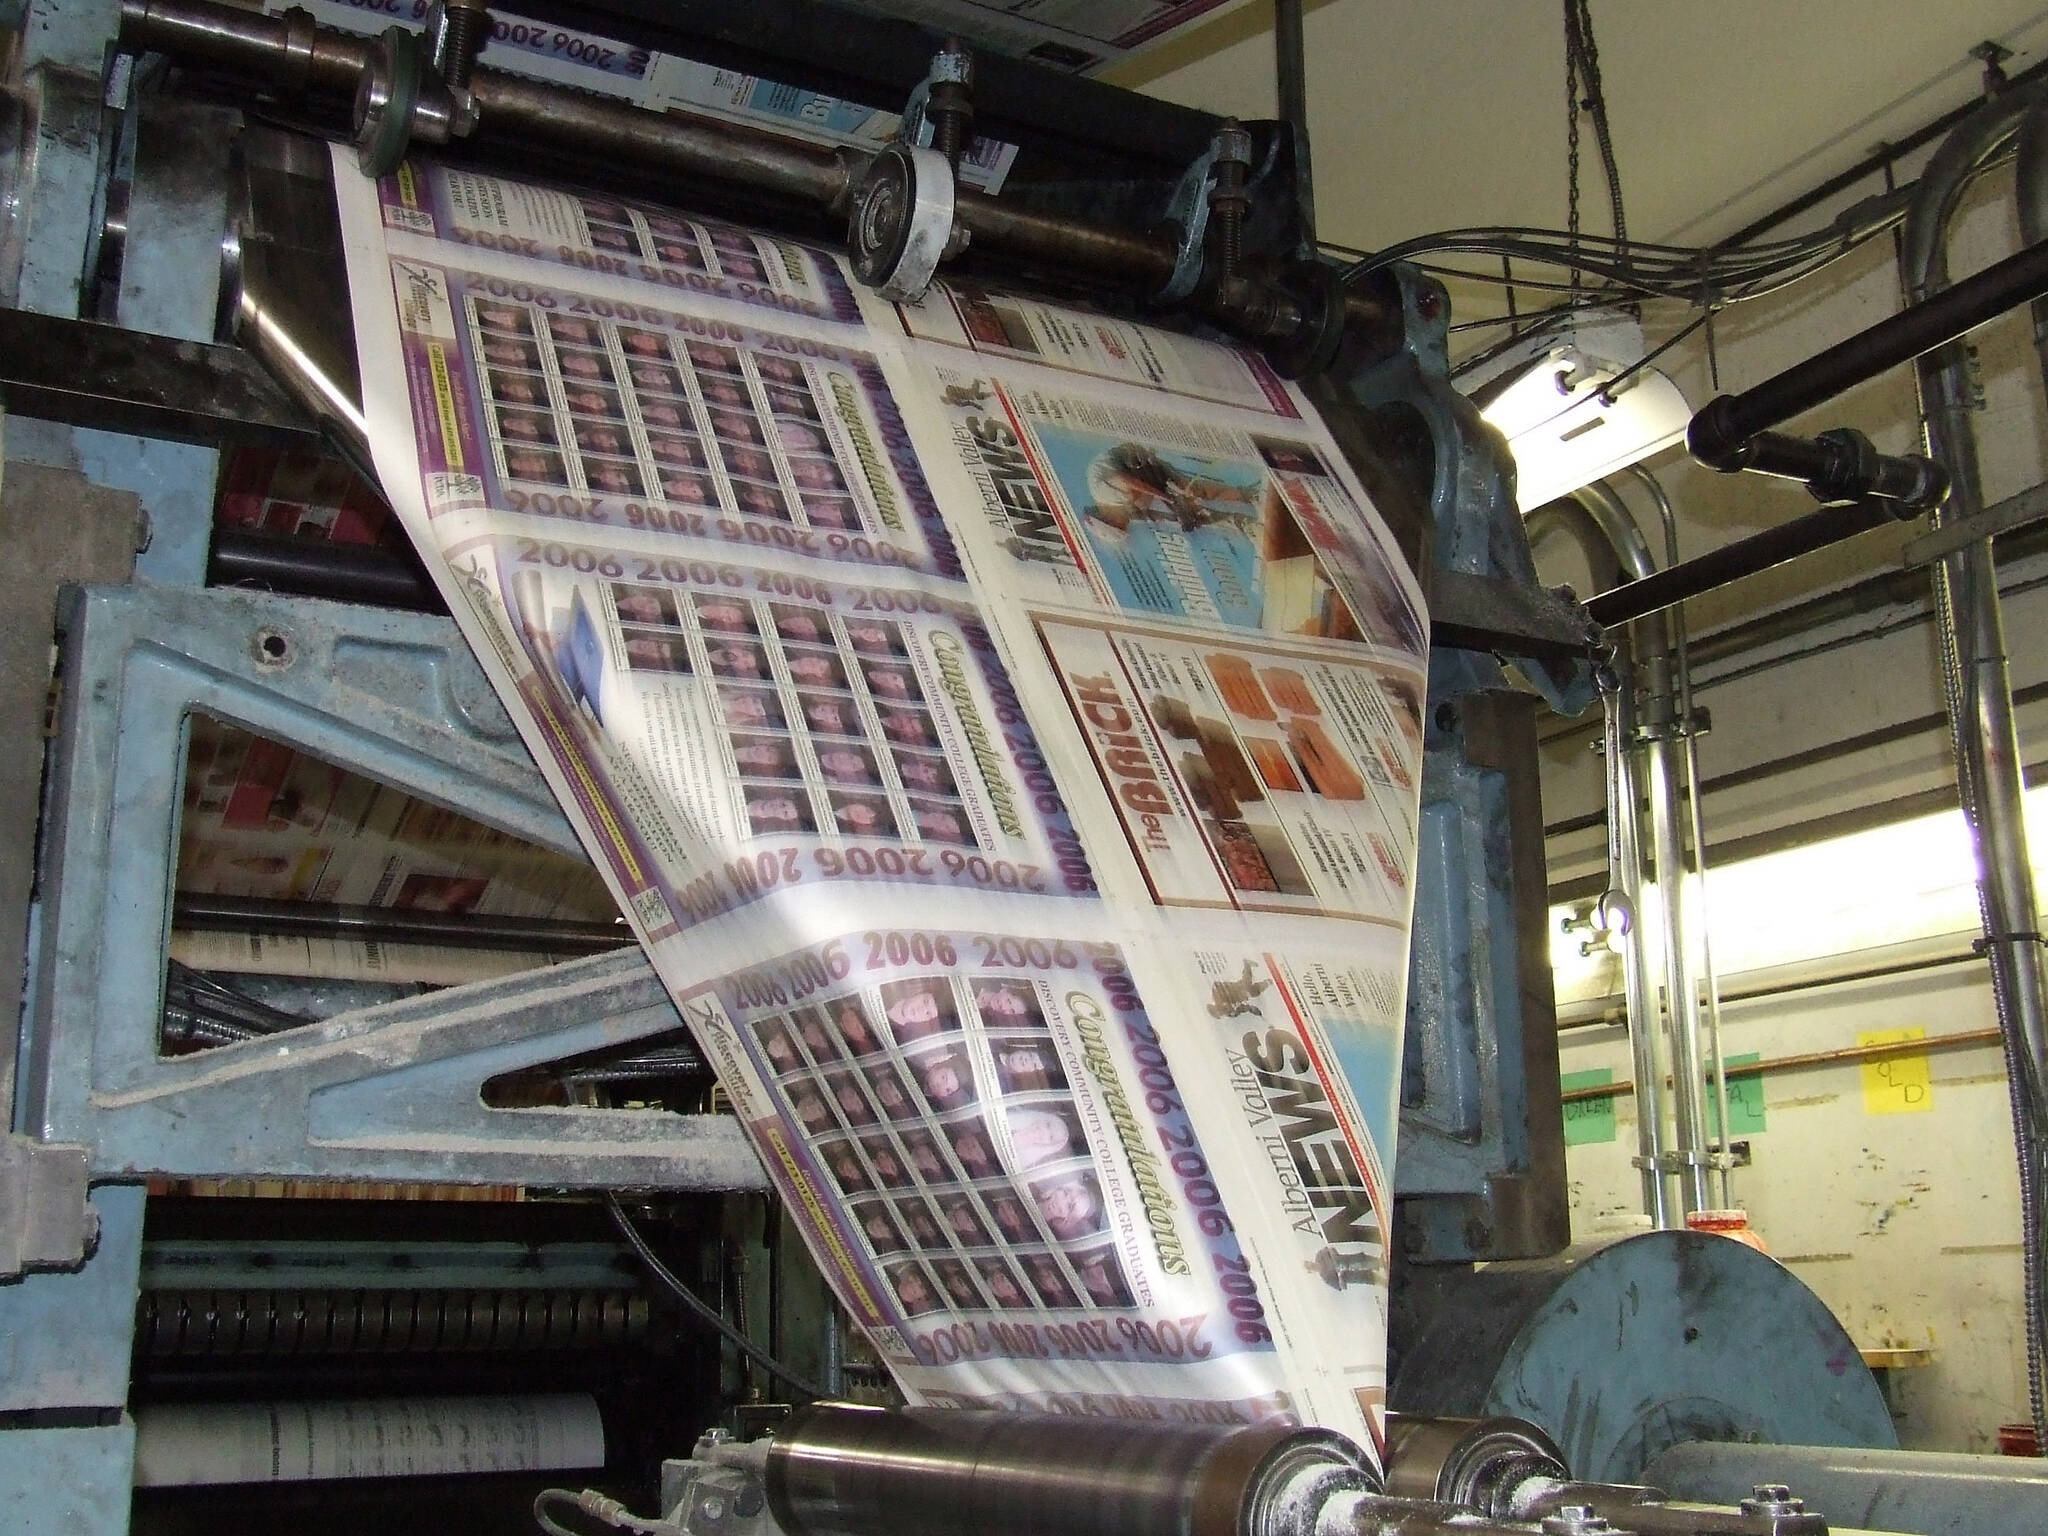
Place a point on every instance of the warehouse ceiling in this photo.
(1430, 114)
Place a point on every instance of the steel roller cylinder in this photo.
(1491, 1466)
(843, 1471)
(1300, 315)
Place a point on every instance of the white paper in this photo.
(181, 1445)
(1002, 727)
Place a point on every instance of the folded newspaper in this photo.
(1001, 725)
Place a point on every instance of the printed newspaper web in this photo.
(1001, 725)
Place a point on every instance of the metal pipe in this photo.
(1709, 977)
(1625, 874)
(329, 63)
(1728, 421)
(196, 1444)
(2030, 178)
(1978, 689)
(1731, 562)
(1928, 1491)
(1843, 465)
(1969, 1039)
(1624, 839)
(677, 144)
(344, 573)
(254, 1323)
(1290, 70)
(838, 1470)
(333, 920)
(1662, 763)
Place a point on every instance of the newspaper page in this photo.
(1001, 726)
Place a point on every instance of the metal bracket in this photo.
(2017, 511)
(1494, 613)
(1188, 208)
(45, 1222)
(387, 1093)
(114, 379)
(1684, 1161)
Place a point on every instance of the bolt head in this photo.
(1574, 1520)
(1772, 1499)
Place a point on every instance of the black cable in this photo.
(1495, 280)
(592, 1506)
(1546, 320)
(702, 1310)
(1650, 270)
(1691, 282)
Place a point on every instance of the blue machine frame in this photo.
(384, 1093)
(1479, 1172)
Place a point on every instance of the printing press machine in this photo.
(175, 296)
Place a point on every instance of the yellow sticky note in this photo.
(1896, 1085)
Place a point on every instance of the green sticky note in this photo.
(1588, 1120)
(1745, 1099)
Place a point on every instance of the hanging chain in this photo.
(1585, 93)
(1571, 142)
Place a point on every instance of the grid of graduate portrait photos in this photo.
(601, 407)
(941, 1114)
(828, 727)
(680, 245)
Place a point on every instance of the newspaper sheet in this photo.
(1001, 726)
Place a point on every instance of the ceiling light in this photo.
(1577, 406)
(1567, 424)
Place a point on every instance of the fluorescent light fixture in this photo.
(1884, 886)
(1566, 430)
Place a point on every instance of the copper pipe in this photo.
(1962, 1041)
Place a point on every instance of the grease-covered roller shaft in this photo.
(294, 54)
(1489, 1466)
(843, 1471)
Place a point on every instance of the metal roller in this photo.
(1480, 1464)
(845, 1471)
(1299, 312)
(262, 1323)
